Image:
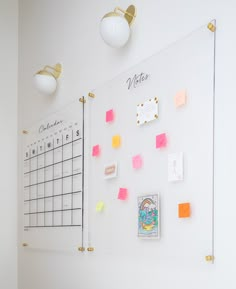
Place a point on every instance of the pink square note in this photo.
(96, 151)
(110, 115)
(161, 141)
(137, 162)
(123, 194)
(180, 98)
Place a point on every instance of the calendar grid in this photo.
(53, 172)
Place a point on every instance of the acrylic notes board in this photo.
(151, 156)
(53, 180)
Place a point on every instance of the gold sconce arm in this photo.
(56, 70)
(129, 13)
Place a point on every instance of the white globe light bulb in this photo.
(46, 84)
(115, 31)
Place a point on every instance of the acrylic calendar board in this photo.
(173, 133)
(53, 180)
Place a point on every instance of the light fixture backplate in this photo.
(130, 14)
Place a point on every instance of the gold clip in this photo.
(90, 249)
(91, 95)
(25, 132)
(211, 27)
(24, 245)
(209, 258)
(82, 99)
(81, 249)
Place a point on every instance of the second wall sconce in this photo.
(45, 80)
(115, 26)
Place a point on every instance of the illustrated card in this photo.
(148, 216)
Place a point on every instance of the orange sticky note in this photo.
(184, 210)
(116, 141)
(180, 98)
(123, 194)
(161, 141)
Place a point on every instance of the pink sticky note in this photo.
(123, 194)
(161, 141)
(180, 98)
(96, 151)
(110, 115)
(137, 162)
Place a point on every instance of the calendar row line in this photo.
(53, 164)
(56, 203)
(57, 171)
(54, 219)
(44, 182)
(53, 211)
(56, 187)
(52, 226)
(56, 195)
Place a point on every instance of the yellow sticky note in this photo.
(116, 141)
(100, 206)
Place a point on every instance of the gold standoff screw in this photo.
(211, 27)
(90, 249)
(209, 258)
(91, 95)
(81, 249)
(82, 99)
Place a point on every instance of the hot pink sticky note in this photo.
(137, 162)
(123, 194)
(161, 141)
(110, 115)
(96, 151)
(180, 98)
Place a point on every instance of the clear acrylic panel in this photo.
(184, 69)
(53, 174)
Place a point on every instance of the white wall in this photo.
(8, 146)
(67, 31)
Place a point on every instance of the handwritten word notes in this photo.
(116, 141)
(180, 98)
(137, 162)
(147, 111)
(110, 115)
(100, 206)
(175, 167)
(184, 210)
(123, 194)
(161, 141)
(137, 80)
(110, 170)
(96, 151)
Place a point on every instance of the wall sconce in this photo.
(115, 26)
(45, 80)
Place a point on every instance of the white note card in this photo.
(147, 111)
(175, 167)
